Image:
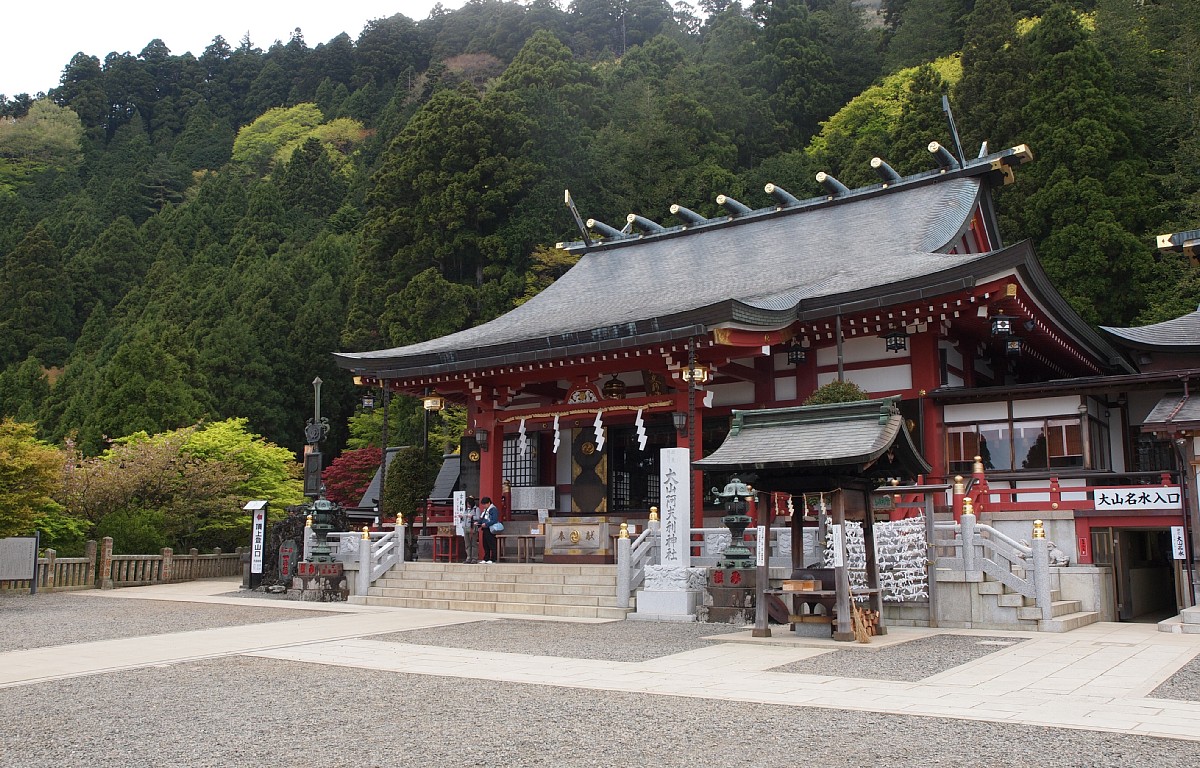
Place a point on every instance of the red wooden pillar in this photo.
(697, 454)
(926, 377)
(490, 460)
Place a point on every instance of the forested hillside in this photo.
(188, 238)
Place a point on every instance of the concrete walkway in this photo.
(1094, 678)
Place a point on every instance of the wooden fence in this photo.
(100, 568)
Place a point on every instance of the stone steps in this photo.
(1186, 623)
(1066, 614)
(1069, 621)
(1057, 608)
(598, 590)
(492, 596)
(530, 589)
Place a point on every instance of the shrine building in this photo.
(663, 329)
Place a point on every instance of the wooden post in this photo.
(874, 598)
(761, 515)
(845, 626)
(104, 576)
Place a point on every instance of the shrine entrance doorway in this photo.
(1148, 584)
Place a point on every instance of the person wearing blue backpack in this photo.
(489, 521)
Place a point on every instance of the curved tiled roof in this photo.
(1182, 333)
(757, 269)
(816, 437)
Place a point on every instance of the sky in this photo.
(41, 36)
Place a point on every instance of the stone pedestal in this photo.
(731, 592)
(669, 594)
(578, 540)
(320, 582)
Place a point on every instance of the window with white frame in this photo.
(1025, 444)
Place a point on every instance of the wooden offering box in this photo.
(801, 585)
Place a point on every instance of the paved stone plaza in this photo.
(192, 675)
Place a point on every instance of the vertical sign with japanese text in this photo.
(460, 513)
(1178, 547)
(257, 539)
(675, 508)
(838, 540)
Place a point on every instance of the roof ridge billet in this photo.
(996, 162)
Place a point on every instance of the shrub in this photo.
(837, 392)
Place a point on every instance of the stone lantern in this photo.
(735, 497)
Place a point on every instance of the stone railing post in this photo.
(89, 552)
(364, 563)
(958, 493)
(401, 540)
(624, 567)
(47, 577)
(1041, 570)
(967, 528)
(166, 571)
(104, 576)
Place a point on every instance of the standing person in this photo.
(470, 530)
(489, 517)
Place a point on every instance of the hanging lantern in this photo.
(614, 389)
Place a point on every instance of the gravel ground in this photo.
(248, 711)
(58, 618)
(1183, 685)
(630, 641)
(909, 662)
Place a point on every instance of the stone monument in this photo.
(672, 589)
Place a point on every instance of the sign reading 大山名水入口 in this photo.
(1138, 497)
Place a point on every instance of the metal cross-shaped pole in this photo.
(318, 427)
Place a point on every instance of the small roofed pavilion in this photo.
(842, 451)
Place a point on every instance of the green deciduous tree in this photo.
(258, 144)
(49, 136)
(272, 473)
(29, 472)
(183, 488)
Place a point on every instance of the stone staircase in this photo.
(1186, 623)
(1004, 608)
(1066, 614)
(533, 589)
